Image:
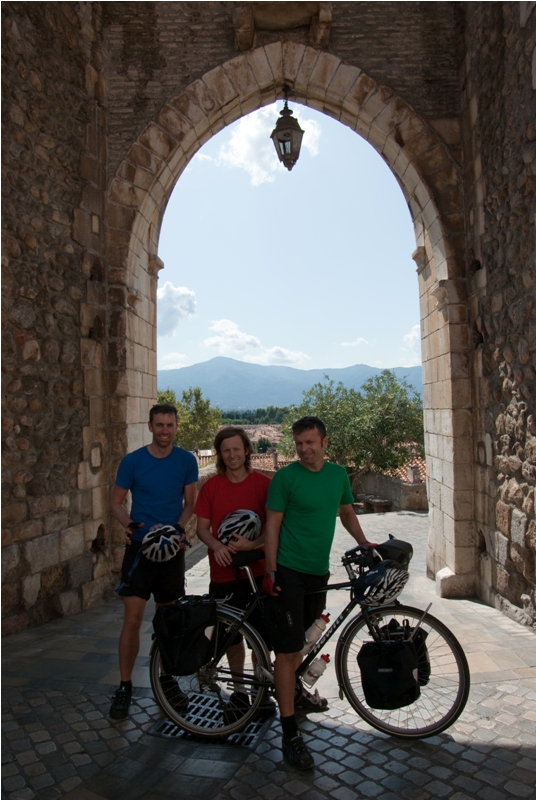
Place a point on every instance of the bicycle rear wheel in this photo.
(442, 699)
(212, 711)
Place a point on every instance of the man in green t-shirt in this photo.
(302, 506)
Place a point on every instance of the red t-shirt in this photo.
(218, 497)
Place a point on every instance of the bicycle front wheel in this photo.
(223, 696)
(442, 698)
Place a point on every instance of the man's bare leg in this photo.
(129, 640)
(129, 645)
(294, 749)
(236, 656)
(285, 668)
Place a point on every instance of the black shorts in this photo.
(289, 615)
(165, 581)
(239, 595)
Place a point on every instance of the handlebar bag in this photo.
(183, 633)
(389, 673)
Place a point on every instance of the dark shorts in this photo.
(239, 595)
(164, 581)
(289, 615)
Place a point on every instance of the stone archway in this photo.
(423, 158)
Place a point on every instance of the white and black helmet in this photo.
(161, 544)
(380, 585)
(242, 522)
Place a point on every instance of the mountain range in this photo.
(231, 384)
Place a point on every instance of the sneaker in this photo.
(120, 704)
(308, 703)
(236, 707)
(174, 694)
(297, 753)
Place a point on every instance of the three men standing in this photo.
(302, 502)
(162, 479)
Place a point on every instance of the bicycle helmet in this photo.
(161, 544)
(242, 522)
(380, 585)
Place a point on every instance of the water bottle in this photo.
(315, 670)
(314, 632)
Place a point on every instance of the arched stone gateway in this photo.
(430, 178)
(105, 104)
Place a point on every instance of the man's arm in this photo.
(271, 533)
(118, 511)
(190, 492)
(351, 523)
(222, 554)
(239, 544)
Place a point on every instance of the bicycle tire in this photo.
(208, 715)
(442, 699)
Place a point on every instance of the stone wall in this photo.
(104, 105)
(53, 556)
(155, 49)
(499, 79)
(404, 496)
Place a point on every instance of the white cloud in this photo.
(251, 149)
(174, 303)
(172, 361)
(230, 338)
(231, 341)
(412, 349)
(354, 344)
(278, 355)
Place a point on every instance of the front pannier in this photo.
(389, 673)
(183, 632)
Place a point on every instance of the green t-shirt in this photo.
(309, 502)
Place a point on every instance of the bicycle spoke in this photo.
(219, 700)
(441, 700)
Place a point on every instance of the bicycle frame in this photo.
(243, 616)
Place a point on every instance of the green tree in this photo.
(263, 445)
(376, 429)
(198, 422)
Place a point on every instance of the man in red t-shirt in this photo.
(236, 486)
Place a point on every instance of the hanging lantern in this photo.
(287, 136)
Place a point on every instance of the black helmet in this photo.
(380, 585)
(396, 550)
(242, 522)
(161, 544)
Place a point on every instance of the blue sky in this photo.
(308, 269)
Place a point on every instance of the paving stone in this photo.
(519, 789)
(270, 791)
(343, 793)
(489, 793)
(14, 782)
(119, 761)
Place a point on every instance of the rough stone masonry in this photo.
(104, 105)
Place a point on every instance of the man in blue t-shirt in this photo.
(162, 480)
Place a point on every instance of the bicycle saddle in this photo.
(246, 558)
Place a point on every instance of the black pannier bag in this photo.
(395, 631)
(183, 633)
(389, 673)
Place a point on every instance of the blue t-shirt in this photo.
(157, 486)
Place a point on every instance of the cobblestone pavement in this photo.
(59, 743)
